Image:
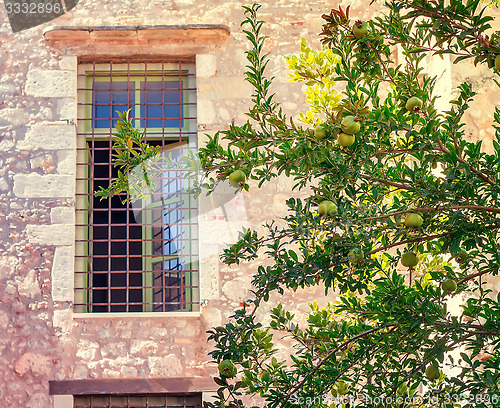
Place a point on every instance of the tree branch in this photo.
(438, 208)
(482, 176)
(474, 275)
(408, 241)
(330, 353)
(401, 186)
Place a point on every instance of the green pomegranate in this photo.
(356, 256)
(449, 286)
(346, 140)
(413, 220)
(409, 259)
(413, 104)
(320, 132)
(350, 125)
(327, 207)
(227, 369)
(237, 178)
(360, 29)
(432, 372)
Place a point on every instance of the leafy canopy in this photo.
(390, 323)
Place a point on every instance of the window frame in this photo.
(185, 135)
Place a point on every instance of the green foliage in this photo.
(141, 164)
(316, 69)
(135, 158)
(385, 328)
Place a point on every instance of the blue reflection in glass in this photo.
(110, 97)
(161, 105)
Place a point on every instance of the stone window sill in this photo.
(145, 315)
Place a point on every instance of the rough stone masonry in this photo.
(40, 338)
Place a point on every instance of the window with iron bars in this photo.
(137, 256)
(137, 401)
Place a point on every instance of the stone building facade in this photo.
(42, 338)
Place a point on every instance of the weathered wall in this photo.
(40, 339)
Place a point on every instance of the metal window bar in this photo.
(137, 401)
(125, 260)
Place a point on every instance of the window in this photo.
(142, 256)
(137, 401)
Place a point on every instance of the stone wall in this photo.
(40, 338)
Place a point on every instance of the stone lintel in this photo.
(173, 40)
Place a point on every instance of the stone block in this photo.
(206, 112)
(69, 63)
(62, 215)
(224, 87)
(206, 65)
(50, 136)
(209, 277)
(8, 266)
(55, 234)
(80, 372)
(166, 366)
(237, 289)
(185, 330)
(44, 162)
(4, 320)
(62, 274)
(38, 400)
(66, 162)
(6, 144)
(13, 116)
(29, 286)
(87, 350)
(144, 347)
(4, 185)
(37, 363)
(129, 372)
(212, 316)
(36, 186)
(66, 109)
(114, 349)
(63, 401)
(51, 83)
(62, 319)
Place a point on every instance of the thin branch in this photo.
(474, 275)
(427, 209)
(409, 241)
(481, 175)
(435, 14)
(420, 239)
(420, 367)
(330, 353)
(401, 186)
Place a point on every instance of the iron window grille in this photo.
(142, 256)
(137, 401)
